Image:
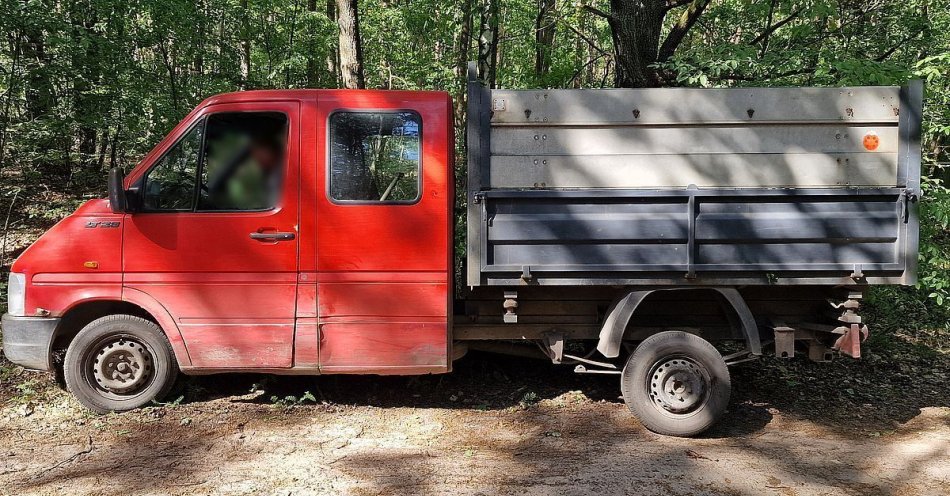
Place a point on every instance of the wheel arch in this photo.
(81, 313)
(623, 308)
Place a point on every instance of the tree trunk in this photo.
(488, 43)
(103, 147)
(333, 55)
(85, 61)
(636, 26)
(172, 76)
(11, 90)
(38, 90)
(351, 50)
(545, 27)
(245, 45)
(311, 48)
(461, 60)
(290, 42)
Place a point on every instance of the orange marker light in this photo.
(91, 265)
(871, 141)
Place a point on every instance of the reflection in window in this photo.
(375, 156)
(170, 185)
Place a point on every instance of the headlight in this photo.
(16, 295)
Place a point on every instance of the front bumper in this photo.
(27, 341)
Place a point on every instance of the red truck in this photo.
(619, 231)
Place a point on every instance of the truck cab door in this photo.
(383, 247)
(215, 241)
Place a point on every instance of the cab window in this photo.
(170, 184)
(240, 166)
(375, 157)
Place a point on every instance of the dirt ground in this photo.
(495, 426)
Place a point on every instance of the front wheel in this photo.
(119, 363)
(676, 383)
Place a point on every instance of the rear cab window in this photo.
(375, 157)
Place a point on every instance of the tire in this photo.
(676, 383)
(118, 363)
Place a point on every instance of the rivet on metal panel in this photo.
(536, 137)
(544, 136)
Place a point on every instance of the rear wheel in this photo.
(676, 383)
(119, 363)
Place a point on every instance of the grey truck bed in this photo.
(693, 186)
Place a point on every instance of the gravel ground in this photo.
(495, 426)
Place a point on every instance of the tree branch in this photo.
(672, 4)
(588, 40)
(593, 60)
(890, 51)
(742, 77)
(680, 28)
(597, 12)
(774, 27)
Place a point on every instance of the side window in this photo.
(375, 156)
(244, 162)
(170, 184)
(238, 156)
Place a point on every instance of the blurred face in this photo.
(266, 157)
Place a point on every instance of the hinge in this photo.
(909, 197)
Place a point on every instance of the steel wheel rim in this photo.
(678, 385)
(119, 366)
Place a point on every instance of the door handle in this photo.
(272, 236)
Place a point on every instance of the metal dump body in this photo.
(693, 186)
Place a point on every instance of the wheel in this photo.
(676, 383)
(119, 363)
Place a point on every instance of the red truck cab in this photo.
(282, 231)
(311, 232)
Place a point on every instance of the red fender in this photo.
(164, 319)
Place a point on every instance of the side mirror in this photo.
(118, 199)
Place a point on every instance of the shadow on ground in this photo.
(479, 429)
(886, 388)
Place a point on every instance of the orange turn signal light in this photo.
(871, 141)
(91, 265)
